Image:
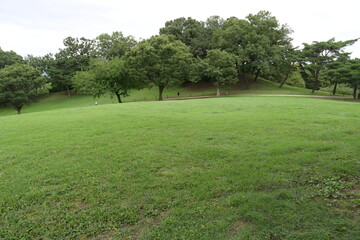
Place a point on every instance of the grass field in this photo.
(60, 100)
(220, 168)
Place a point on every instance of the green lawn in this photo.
(61, 100)
(219, 168)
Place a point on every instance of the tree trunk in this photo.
(354, 94)
(334, 90)
(161, 90)
(244, 78)
(284, 80)
(118, 97)
(18, 109)
(315, 82)
(286, 76)
(239, 75)
(217, 91)
(257, 75)
(359, 95)
(68, 90)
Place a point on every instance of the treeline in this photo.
(216, 50)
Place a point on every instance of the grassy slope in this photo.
(61, 100)
(224, 168)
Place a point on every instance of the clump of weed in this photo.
(329, 187)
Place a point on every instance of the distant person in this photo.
(178, 94)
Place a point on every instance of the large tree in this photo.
(333, 72)
(105, 77)
(19, 83)
(316, 56)
(219, 68)
(161, 61)
(349, 73)
(75, 56)
(231, 39)
(258, 42)
(266, 43)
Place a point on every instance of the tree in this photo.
(39, 63)
(62, 66)
(291, 57)
(114, 45)
(257, 41)
(231, 39)
(349, 73)
(317, 55)
(160, 60)
(9, 58)
(209, 41)
(332, 73)
(354, 79)
(187, 30)
(19, 83)
(219, 68)
(105, 77)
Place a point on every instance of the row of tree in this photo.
(217, 50)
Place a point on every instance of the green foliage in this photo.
(219, 68)
(295, 79)
(197, 35)
(344, 71)
(114, 45)
(259, 42)
(85, 83)
(39, 63)
(329, 187)
(61, 67)
(105, 77)
(19, 83)
(315, 57)
(8, 58)
(351, 74)
(160, 60)
(189, 31)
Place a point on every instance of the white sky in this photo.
(38, 27)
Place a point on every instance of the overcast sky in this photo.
(38, 27)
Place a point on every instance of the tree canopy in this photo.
(161, 61)
(345, 71)
(61, 67)
(115, 45)
(19, 83)
(105, 77)
(219, 68)
(8, 58)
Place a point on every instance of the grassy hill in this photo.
(61, 100)
(219, 168)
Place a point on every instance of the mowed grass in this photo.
(220, 168)
(60, 100)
